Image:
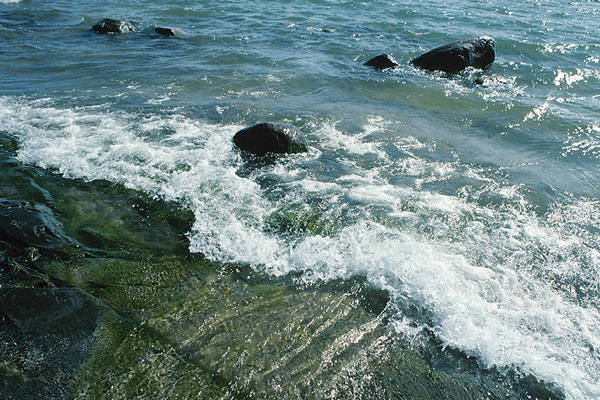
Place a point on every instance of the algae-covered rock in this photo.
(109, 218)
(300, 219)
(32, 225)
(243, 335)
(46, 336)
(131, 361)
(177, 328)
(140, 317)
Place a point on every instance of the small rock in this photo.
(169, 31)
(478, 52)
(109, 25)
(382, 61)
(271, 138)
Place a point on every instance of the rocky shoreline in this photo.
(121, 309)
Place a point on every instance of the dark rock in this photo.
(45, 337)
(164, 31)
(169, 31)
(382, 61)
(271, 138)
(108, 25)
(32, 308)
(478, 52)
(22, 223)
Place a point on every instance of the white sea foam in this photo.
(486, 277)
(584, 140)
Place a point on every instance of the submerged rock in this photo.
(478, 52)
(382, 61)
(271, 138)
(169, 31)
(109, 25)
(22, 223)
(51, 333)
(32, 308)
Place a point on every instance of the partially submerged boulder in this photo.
(24, 224)
(169, 31)
(478, 52)
(382, 61)
(109, 25)
(271, 138)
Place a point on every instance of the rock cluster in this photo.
(265, 138)
(478, 52)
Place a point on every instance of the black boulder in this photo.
(382, 61)
(109, 25)
(271, 138)
(169, 31)
(478, 52)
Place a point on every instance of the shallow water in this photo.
(474, 206)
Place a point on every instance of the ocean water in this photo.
(475, 206)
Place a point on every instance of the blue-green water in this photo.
(477, 205)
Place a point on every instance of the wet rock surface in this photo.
(27, 224)
(478, 52)
(271, 138)
(145, 319)
(169, 31)
(382, 61)
(109, 25)
(46, 334)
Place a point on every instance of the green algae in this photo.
(132, 362)
(161, 323)
(300, 219)
(133, 284)
(218, 335)
(46, 335)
